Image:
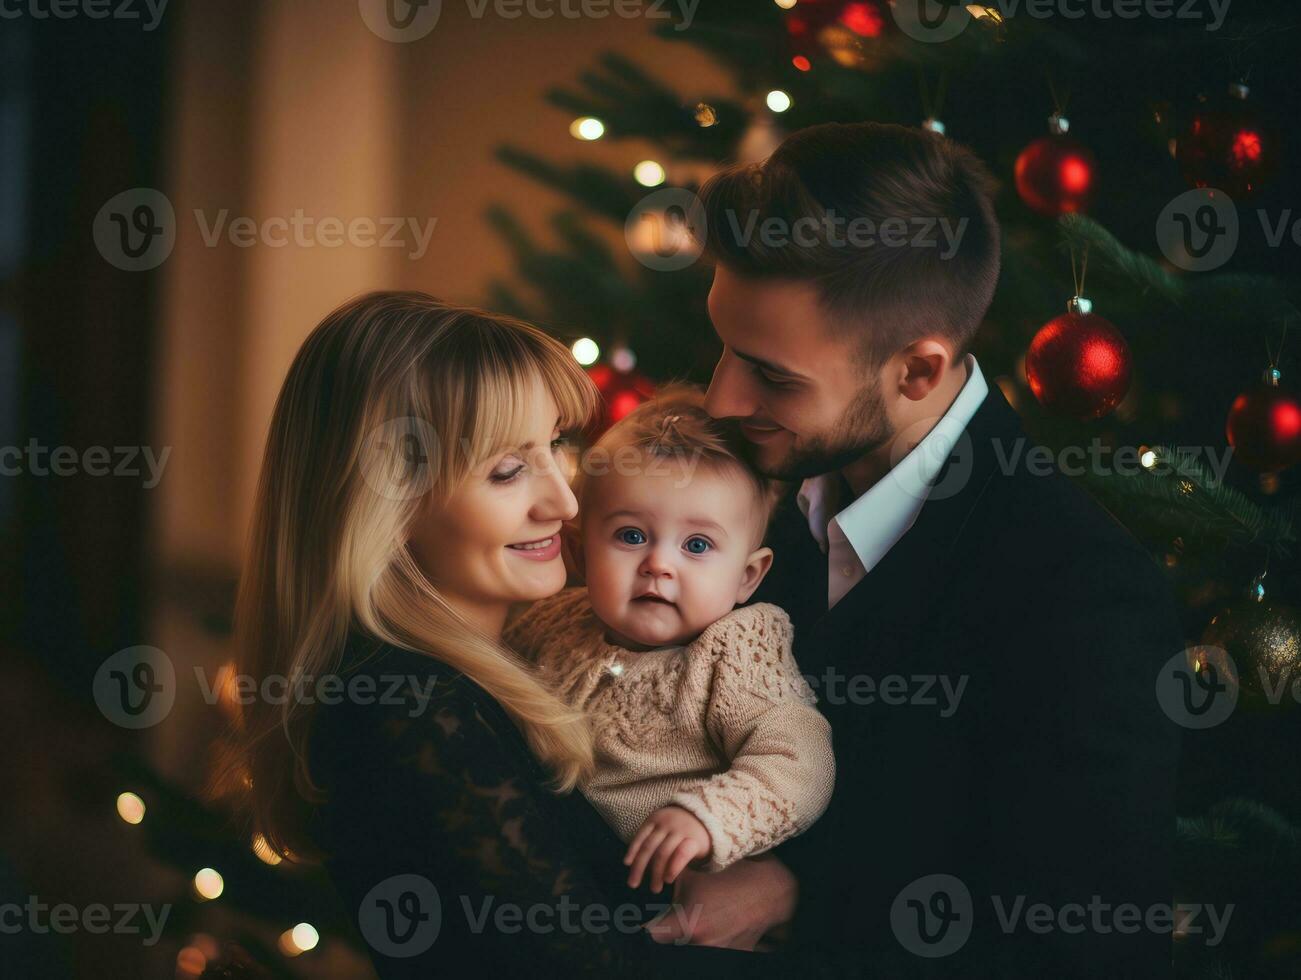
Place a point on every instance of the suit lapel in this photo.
(798, 579)
(904, 583)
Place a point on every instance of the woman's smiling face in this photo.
(496, 541)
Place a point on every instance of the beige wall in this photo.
(287, 104)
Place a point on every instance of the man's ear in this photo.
(571, 552)
(922, 366)
(756, 567)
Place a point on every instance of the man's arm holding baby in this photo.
(733, 908)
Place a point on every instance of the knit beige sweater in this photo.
(723, 727)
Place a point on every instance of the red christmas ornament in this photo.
(1264, 426)
(1227, 144)
(833, 27)
(1055, 174)
(621, 392)
(1078, 363)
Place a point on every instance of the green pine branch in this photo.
(600, 189)
(631, 103)
(1178, 491)
(1232, 297)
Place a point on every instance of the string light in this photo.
(648, 173)
(299, 939)
(130, 808)
(194, 958)
(587, 128)
(623, 360)
(778, 101)
(585, 351)
(706, 115)
(264, 852)
(208, 884)
(190, 962)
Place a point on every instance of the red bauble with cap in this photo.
(1264, 425)
(1078, 364)
(1055, 174)
(1227, 144)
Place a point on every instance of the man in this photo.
(985, 640)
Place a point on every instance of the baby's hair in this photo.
(674, 424)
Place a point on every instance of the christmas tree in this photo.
(1097, 128)
(1148, 283)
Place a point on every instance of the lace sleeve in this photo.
(493, 863)
(761, 715)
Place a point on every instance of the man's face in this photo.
(806, 401)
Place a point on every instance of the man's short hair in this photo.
(816, 210)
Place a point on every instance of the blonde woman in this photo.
(413, 488)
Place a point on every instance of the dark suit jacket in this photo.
(1051, 783)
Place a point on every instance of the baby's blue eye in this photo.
(630, 535)
(698, 545)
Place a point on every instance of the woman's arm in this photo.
(460, 804)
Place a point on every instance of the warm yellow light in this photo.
(208, 883)
(299, 939)
(706, 115)
(778, 101)
(648, 173)
(587, 128)
(979, 11)
(586, 351)
(785, 4)
(304, 936)
(190, 962)
(130, 807)
(263, 850)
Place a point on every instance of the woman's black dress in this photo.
(453, 855)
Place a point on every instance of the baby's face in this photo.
(663, 560)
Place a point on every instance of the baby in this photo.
(708, 747)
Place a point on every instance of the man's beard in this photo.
(864, 428)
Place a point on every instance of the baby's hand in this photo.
(672, 838)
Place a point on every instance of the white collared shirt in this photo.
(860, 535)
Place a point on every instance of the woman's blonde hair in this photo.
(388, 405)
